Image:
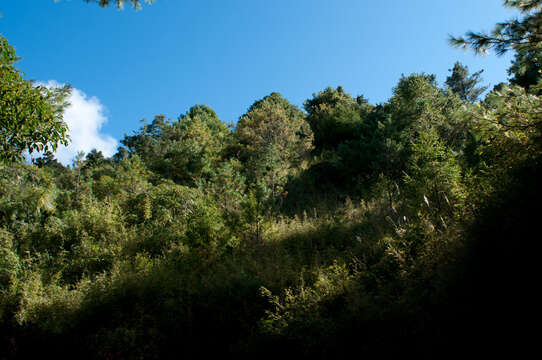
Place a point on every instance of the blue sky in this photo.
(228, 53)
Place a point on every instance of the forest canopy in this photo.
(403, 228)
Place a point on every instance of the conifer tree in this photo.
(523, 36)
(463, 84)
(526, 68)
(520, 35)
(120, 3)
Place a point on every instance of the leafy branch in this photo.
(517, 34)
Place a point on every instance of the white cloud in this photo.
(84, 117)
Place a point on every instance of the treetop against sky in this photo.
(129, 65)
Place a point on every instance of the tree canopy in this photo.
(407, 233)
(30, 114)
(272, 140)
(185, 150)
(521, 35)
(334, 116)
(463, 84)
(120, 3)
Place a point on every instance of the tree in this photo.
(185, 150)
(48, 160)
(334, 116)
(192, 146)
(383, 145)
(433, 177)
(273, 139)
(464, 85)
(526, 68)
(30, 116)
(93, 159)
(524, 36)
(520, 35)
(120, 3)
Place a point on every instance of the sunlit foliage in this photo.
(403, 229)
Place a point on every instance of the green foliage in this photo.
(383, 143)
(273, 139)
(9, 261)
(334, 117)
(403, 234)
(520, 35)
(30, 114)
(433, 182)
(303, 314)
(185, 151)
(172, 215)
(253, 212)
(120, 3)
(227, 188)
(48, 160)
(462, 84)
(526, 69)
(26, 195)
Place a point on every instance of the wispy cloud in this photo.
(85, 117)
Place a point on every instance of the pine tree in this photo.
(464, 85)
(520, 35)
(526, 68)
(120, 3)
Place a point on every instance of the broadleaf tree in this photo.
(31, 116)
(334, 116)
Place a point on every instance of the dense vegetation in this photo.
(402, 228)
